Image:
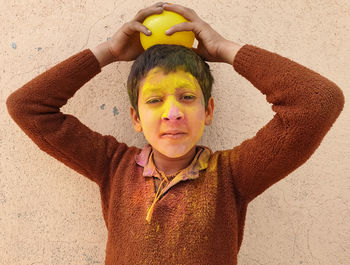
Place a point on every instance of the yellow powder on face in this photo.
(155, 82)
(164, 95)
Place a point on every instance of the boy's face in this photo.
(171, 102)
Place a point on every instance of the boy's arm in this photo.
(306, 105)
(35, 107)
(103, 55)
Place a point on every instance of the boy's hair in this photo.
(170, 58)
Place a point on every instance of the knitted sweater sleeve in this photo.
(35, 107)
(306, 105)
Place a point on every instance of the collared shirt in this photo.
(162, 183)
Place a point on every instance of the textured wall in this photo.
(50, 214)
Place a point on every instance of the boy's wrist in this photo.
(229, 51)
(103, 55)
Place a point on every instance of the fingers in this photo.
(136, 24)
(187, 13)
(129, 28)
(159, 4)
(158, 8)
(154, 9)
(185, 26)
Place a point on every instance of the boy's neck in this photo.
(170, 165)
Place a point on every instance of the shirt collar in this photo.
(200, 162)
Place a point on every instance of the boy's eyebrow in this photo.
(156, 88)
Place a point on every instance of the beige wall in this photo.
(50, 214)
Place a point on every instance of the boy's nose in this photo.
(172, 113)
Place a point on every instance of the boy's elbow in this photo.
(337, 100)
(10, 104)
(341, 98)
(331, 104)
(13, 105)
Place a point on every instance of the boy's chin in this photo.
(173, 152)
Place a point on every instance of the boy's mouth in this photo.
(173, 136)
(172, 132)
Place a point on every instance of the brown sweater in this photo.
(198, 221)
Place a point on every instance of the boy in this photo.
(175, 202)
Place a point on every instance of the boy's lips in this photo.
(173, 136)
(172, 132)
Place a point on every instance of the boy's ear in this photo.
(135, 120)
(209, 112)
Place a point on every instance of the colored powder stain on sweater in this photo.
(200, 219)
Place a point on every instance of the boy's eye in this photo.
(188, 97)
(152, 101)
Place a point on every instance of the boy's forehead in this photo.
(157, 80)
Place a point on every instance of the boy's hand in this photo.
(211, 45)
(125, 44)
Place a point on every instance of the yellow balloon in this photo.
(158, 24)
